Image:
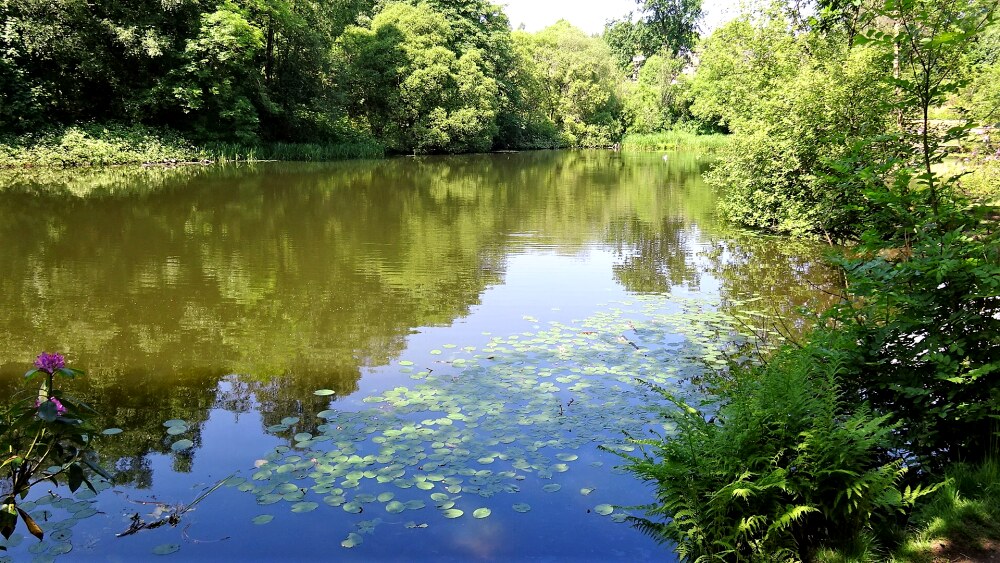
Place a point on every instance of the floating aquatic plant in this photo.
(486, 422)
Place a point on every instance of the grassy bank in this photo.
(958, 522)
(674, 141)
(113, 144)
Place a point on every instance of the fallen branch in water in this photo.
(173, 516)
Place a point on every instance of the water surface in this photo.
(503, 289)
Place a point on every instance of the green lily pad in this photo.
(481, 512)
(551, 487)
(111, 431)
(182, 445)
(395, 507)
(521, 507)
(324, 392)
(452, 513)
(166, 549)
(262, 519)
(604, 509)
(352, 540)
(306, 506)
(587, 490)
(174, 422)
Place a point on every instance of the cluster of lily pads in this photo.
(60, 514)
(483, 423)
(175, 428)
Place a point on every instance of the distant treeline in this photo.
(412, 76)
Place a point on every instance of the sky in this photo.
(590, 15)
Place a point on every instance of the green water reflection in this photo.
(160, 283)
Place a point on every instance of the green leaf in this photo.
(48, 411)
(76, 477)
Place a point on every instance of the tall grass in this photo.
(674, 141)
(309, 152)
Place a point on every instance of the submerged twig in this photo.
(137, 524)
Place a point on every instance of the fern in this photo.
(785, 469)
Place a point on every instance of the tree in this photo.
(628, 38)
(674, 21)
(580, 81)
(217, 84)
(412, 89)
(741, 64)
(655, 101)
(670, 26)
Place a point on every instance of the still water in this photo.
(473, 326)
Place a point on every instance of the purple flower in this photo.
(60, 409)
(49, 363)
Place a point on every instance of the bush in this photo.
(784, 170)
(93, 144)
(922, 332)
(784, 468)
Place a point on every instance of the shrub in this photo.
(784, 468)
(922, 332)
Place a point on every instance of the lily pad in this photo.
(182, 445)
(111, 431)
(166, 549)
(324, 392)
(452, 513)
(352, 540)
(262, 519)
(306, 506)
(521, 507)
(481, 512)
(604, 509)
